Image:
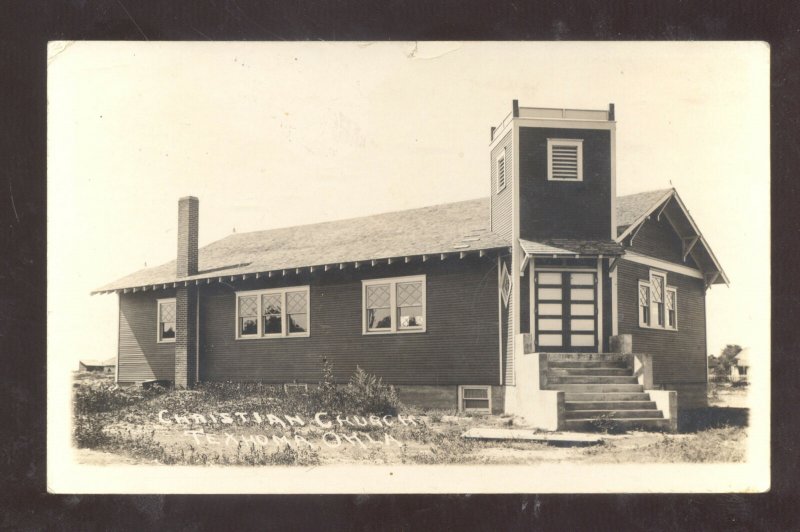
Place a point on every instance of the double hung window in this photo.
(273, 313)
(394, 305)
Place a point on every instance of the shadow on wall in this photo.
(713, 417)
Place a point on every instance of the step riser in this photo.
(603, 397)
(581, 379)
(587, 357)
(614, 414)
(628, 424)
(590, 372)
(596, 388)
(610, 405)
(577, 364)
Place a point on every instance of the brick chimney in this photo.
(186, 296)
(188, 217)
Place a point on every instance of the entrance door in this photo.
(566, 311)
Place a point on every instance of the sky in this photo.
(278, 134)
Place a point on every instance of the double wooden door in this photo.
(566, 308)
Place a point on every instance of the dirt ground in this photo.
(717, 434)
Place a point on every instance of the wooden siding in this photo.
(559, 209)
(460, 345)
(508, 336)
(141, 357)
(501, 203)
(679, 356)
(656, 238)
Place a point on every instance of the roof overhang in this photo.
(565, 248)
(671, 207)
(257, 273)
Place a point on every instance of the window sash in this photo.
(475, 398)
(658, 303)
(162, 320)
(397, 306)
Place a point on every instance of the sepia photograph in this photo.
(408, 267)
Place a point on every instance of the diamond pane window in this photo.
(672, 309)
(644, 304)
(297, 311)
(166, 320)
(657, 299)
(409, 305)
(394, 305)
(271, 310)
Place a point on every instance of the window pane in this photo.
(271, 304)
(549, 278)
(296, 302)
(658, 288)
(671, 317)
(298, 323)
(670, 299)
(644, 295)
(248, 326)
(475, 393)
(409, 294)
(550, 293)
(476, 404)
(167, 330)
(410, 317)
(582, 325)
(582, 279)
(550, 309)
(378, 296)
(248, 306)
(582, 294)
(581, 309)
(272, 324)
(549, 340)
(549, 325)
(167, 312)
(379, 318)
(582, 340)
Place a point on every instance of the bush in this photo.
(366, 394)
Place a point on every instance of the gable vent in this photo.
(564, 160)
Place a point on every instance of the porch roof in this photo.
(576, 248)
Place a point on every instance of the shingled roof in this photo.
(447, 228)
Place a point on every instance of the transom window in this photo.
(501, 171)
(394, 305)
(166, 320)
(273, 313)
(565, 159)
(658, 303)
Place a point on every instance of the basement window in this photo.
(273, 313)
(293, 387)
(394, 305)
(166, 320)
(564, 160)
(475, 399)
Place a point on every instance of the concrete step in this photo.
(587, 357)
(627, 424)
(614, 414)
(586, 379)
(596, 388)
(587, 364)
(601, 371)
(610, 405)
(613, 396)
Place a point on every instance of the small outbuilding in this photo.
(100, 366)
(741, 366)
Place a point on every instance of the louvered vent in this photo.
(565, 160)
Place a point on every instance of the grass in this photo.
(124, 422)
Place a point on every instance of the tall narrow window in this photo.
(565, 159)
(166, 320)
(394, 305)
(644, 304)
(672, 308)
(501, 171)
(657, 299)
(273, 313)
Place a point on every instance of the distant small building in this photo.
(105, 366)
(741, 366)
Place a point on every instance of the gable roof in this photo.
(633, 211)
(448, 228)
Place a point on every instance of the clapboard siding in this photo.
(656, 238)
(501, 202)
(559, 209)
(460, 344)
(141, 357)
(678, 356)
(508, 367)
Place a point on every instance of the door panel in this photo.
(566, 310)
